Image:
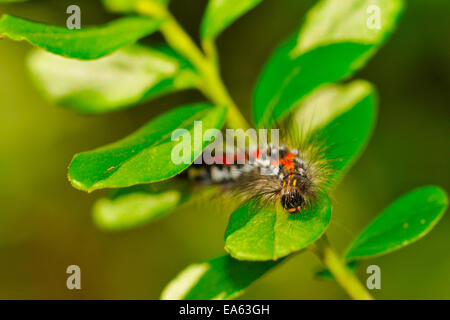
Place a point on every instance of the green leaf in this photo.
(342, 119)
(121, 79)
(130, 207)
(127, 6)
(285, 81)
(218, 279)
(85, 43)
(403, 222)
(323, 51)
(138, 205)
(222, 13)
(133, 209)
(145, 156)
(333, 21)
(256, 234)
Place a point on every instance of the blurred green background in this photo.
(46, 225)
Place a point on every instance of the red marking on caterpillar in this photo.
(288, 163)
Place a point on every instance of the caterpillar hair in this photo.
(293, 173)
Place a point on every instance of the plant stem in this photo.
(181, 42)
(346, 279)
(210, 49)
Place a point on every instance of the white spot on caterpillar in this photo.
(234, 172)
(218, 175)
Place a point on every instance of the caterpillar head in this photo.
(293, 192)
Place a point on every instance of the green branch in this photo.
(210, 49)
(346, 279)
(181, 42)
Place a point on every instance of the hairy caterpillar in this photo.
(294, 178)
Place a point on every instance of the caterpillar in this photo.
(292, 176)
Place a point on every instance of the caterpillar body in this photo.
(294, 177)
